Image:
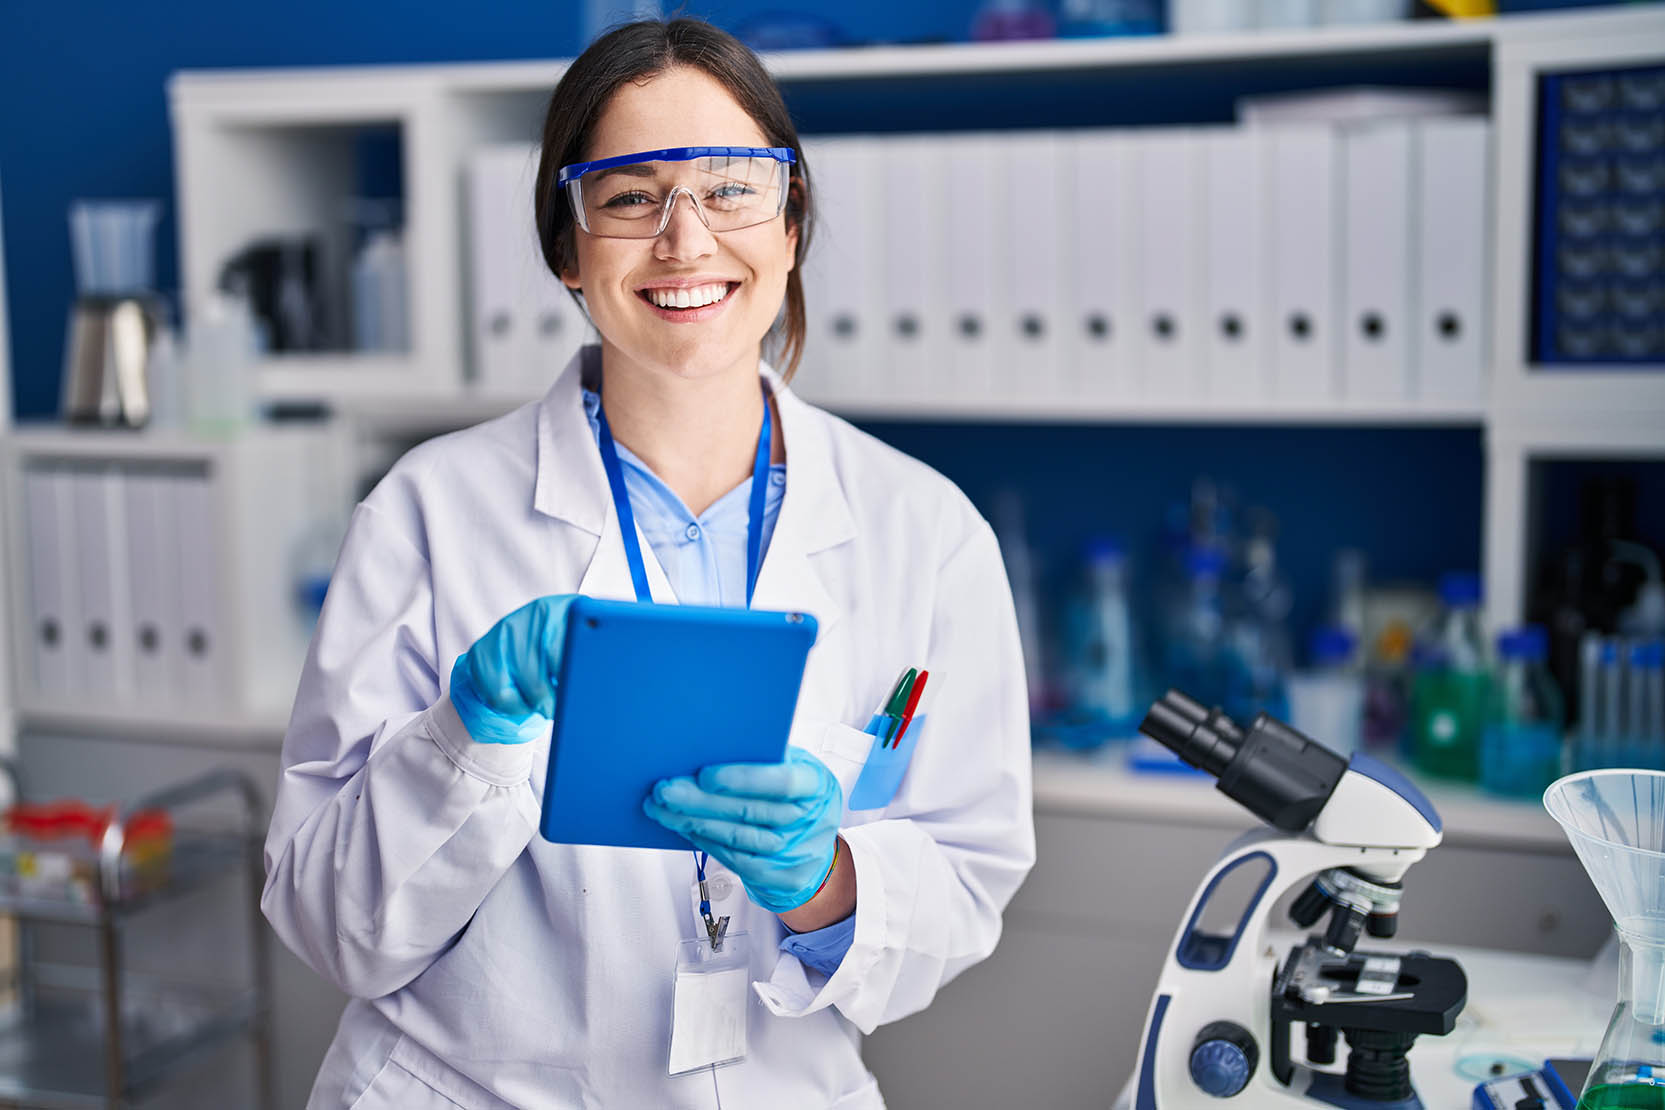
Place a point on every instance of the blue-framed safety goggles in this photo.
(631, 196)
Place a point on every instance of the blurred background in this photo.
(1306, 355)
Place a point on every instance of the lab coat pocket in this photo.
(844, 750)
(886, 764)
(394, 1088)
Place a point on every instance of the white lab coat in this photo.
(489, 968)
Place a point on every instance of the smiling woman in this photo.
(488, 968)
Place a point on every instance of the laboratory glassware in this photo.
(1520, 748)
(1615, 820)
(1448, 694)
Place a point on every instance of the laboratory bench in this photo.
(1054, 1017)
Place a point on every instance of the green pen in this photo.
(898, 703)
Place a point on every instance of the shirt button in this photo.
(692, 531)
(777, 479)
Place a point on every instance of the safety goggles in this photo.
(631, 196)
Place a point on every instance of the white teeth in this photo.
(697, 297)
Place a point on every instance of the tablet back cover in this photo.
(648, 692)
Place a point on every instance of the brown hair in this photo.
(640, 50)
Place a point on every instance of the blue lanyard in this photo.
(638, 568)
(627, 519)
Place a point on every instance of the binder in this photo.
(523, 323)
(100, 644)
(1236, 313)
(1033, 195)
(1169, 262)
(203, 673)
(54, 615)
(975, 264)
(913, 357)
(1100, 249)
(153, 550)
(1304, 202)
(1377, 260)
(841, 293)
(1453, 160)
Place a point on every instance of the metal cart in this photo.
(101, 1037)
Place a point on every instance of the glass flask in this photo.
(1616, 823)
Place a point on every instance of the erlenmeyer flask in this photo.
(1616, 823)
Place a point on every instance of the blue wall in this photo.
(85, 115)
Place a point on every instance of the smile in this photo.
(698, 296)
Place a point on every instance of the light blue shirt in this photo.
(704, 558)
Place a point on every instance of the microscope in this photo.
(1219, 1026)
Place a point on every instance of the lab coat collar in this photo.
(814, 515)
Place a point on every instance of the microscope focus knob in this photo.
(1223, 1059)
(1310, 906)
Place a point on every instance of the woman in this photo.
(489, 968)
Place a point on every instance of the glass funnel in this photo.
(1616, 823)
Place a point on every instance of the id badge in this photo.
(711, 1003)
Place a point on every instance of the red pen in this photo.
(913, 703)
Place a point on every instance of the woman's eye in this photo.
(734, 190)
(632, 199)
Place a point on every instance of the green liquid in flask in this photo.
(1623, 1096)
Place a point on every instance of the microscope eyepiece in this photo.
(1276, 773)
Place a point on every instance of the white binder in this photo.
(153, 551)
(913, 344)
(1377, 259)
(204, 674)
(1100, 252)
(976, 268)
(1034, 196)
(1304, 201)
(1236, 306)
(1453, 168)
(101, 642)
(523, 323)
(1169, 262)
(53, 573)
(841, 293)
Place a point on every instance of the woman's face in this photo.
(679, 108)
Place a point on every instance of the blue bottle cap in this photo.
(1104, 549)
(1460, 587)
(1205, 562)
(1647, 653)
(1331, 644)
(1529, 642)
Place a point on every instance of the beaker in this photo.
(1615, 820)
(112, 240)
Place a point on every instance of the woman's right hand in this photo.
(503, 687)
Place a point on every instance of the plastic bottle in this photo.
(1327, 702)
(1258, 655)
(1521, 749)
(1103, 665)
(1448, 694)
(1646, 716)
(1193, 653)
(1347, 581)
(1013, 536)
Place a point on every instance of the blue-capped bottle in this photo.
(1193, 654)
(1105, 684)
(1448, 693)
(1521, 749)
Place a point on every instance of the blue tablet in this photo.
(647, 692)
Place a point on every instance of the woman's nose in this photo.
(685, 234)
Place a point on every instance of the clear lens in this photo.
(633, 201)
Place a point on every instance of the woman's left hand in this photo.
(775, 825)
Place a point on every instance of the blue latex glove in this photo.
(504, 686)
(775, 825)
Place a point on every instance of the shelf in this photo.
(1100, 784)
(205, 728)
(55, 1055)
(1071, 411)
(196, 860)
